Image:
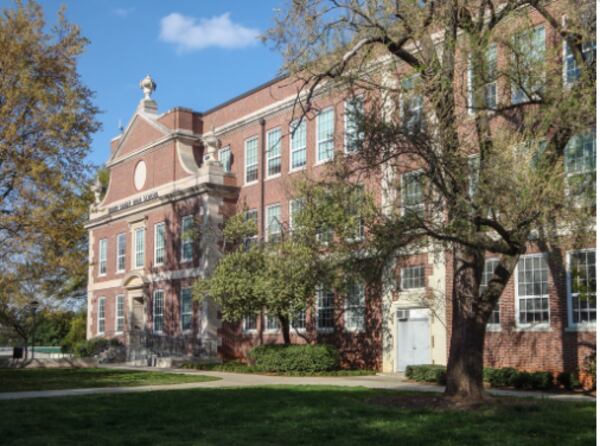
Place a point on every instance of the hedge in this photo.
(429, 373)
(294, 358)
(94, 346)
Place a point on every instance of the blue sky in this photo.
(198, 55)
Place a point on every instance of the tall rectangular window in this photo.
(353, 112)
(412, 277)
(325, 309)
(532, 290)
(251, 160)
(121, 244)
(298, 145)
(102, 256)
(489, 81)
(252, 215)
(139, 242)
(249, 322)
(580, 167)
(159, 244)
(488, 272)
(271, 322)
(582, 287)
(299, 320)
(572, 71)
(273, 152)
(325, 126)
(120, 314)
(158, 308)
(273, 222)
(295, 207)
(412, 105)
(101, 315)
(412, 193)
(354, 314)
(187, 238)
(185, 305)
(528, 64)
(224, 155)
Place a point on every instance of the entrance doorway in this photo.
(412, 338)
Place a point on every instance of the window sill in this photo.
(250, 331)
(325, 330)
(320, 163)
(272, 177)
(494, 328)
(118, 333)
(121, 271)
(533, 328)
(271, 331)
(354, 330)
(581, 328)
(184, 261)
(297, 169)
(251, 183)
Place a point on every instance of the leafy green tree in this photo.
(76, 333)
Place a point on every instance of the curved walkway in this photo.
(232, 380)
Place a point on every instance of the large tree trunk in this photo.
(285, 329)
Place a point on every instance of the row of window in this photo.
(354, 312)
(138, 246)
(298, 159)
(531, 288)
(119, 314)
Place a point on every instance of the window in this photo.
(102, 257)
(271, 323)
(138, 240)
(412, 105)
(295, 207)
(325, 125)
(273, 152)
(251, 160)
(252, 214)
(159, 243)
(354, 315)
(528, 60)
(273, 222)
(249, 323)
(580, 166)
(473, 167)
(225, 158)
(187, 238)
(412, 277)
(158, 306)
(572, 72)
(121, 241)
(489, 82)
(120, 314)
(185, 307)
(298, 145)
(412, 193)
(299, 320)
(532, 290)
(581, 287)
(488, 271)
(101, 315)
(325, 306)
(353, 112)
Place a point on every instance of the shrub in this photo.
(589, 367)
(294, 358)
(499, 377)
(94, 346)
(542, 380)
(430, 373)
(569, 380)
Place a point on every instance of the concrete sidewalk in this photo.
(232, 380)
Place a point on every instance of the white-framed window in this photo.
(412, 277)
(101, 315)
(353, 111)
(571, 71)
(251, 160)
(252, 215)
(489, 86)
(121, 246)
(158, 308)
(186, 308)
(103, 246)
(325, 309)
(273, 222)
(325, 129)
(295, 207)
(120, 313)
(187, 238)
(528, 59)
(271, 323)
(273, 153)
(412, 105)
(473, 168)
(299, 321)
(298, 145)
(580, 166)
(160, 243)
(488, 272)
(532, 290)
(354, 311)
(413, 200)
(249, 323)
(225, 159)
(581, 288)
(138, 247)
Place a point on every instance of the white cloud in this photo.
(189, 33)
(123, 12)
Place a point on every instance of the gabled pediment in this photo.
(141, 131)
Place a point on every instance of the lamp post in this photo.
(34, 304)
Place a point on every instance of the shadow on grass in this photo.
(286, 415)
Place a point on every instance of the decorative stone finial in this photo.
(212, 143)
(148, 86)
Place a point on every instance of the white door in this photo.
(412, 338)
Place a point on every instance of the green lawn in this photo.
(15, 380)
(288, 415)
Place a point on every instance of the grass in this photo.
(16, 380)
(290, 415)
(239, 367)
